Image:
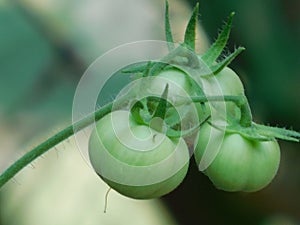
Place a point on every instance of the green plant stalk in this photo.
(240, 100)
(246, 115)
(52, 142)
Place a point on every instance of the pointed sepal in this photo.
(190, 32)
(211, 55)
(169, 36)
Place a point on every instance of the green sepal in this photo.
(277, 132)
(145, 69)
(138, 112)
(190, 32)
(212, 54)
(156, 68)
(172, 117)
(136, 68)
(161, 109)
(157, 119)
(215, 69)
(249, 133)
(169, 36)
(196, 87)
(261, 132)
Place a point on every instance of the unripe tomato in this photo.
(226, 82)
(136, 160)
(240, 164)
(177, 81)
(230, 84)
(179, 87)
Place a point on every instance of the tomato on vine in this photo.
(230, 84)
(136, 160)
(241, 164)
(134, 153)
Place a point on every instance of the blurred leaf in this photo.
(24, 55)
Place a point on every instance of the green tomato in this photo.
(179, 85)
(228, 83)
(136, 160)
(240, 164)
(177, 81)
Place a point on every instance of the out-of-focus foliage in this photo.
(23, 51)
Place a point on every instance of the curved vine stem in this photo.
(52, 142)
(45, 146)
(240, 100)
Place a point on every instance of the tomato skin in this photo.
(118, 163)
(230, 84)
(179, 88)
(177, 81)
(149, 191)
(241, 164)
(226, 82)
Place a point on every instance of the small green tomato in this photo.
(228, 83)
(179, 87)
(177, 81)
(240, 164)
(136, 160)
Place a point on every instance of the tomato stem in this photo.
(240, 100)
(246, 115)
(52, 142)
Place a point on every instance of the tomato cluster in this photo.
(142, 162)
(144, 151)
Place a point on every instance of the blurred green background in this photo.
(45, 47)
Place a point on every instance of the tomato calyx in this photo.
(277, 132)
(162, 116)
(260, 132)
